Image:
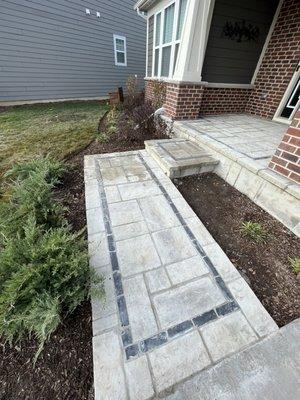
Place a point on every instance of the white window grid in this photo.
(172, 43)
(123, 38)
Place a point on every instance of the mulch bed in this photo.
(265, 266)
(64, 371)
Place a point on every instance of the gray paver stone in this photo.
(222, 263)
(186, 270)
(129, 231)
(158, 213)
(184, 302)
(139, 379)
(254, 311)
(98, 250)
(138, 190)
(173, 245)
(227, 335)
(113, 175)
(112, 194)
(95, 222)
(124, 212)
(178, 360)
(157, 280)
(109, 379)
(137, 255)
(141, 316)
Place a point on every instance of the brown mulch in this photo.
(266, 266)
(64, 371)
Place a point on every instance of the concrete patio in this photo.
(175, 304)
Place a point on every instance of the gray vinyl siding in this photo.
(52, 49)
(229, 61)
(150, 45)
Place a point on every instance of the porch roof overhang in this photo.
(145, 5)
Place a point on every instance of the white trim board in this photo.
(285, 97)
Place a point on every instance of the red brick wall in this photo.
(183, 100)
(286, 160)
(224, 100)
(279, 62)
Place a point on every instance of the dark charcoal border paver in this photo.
(143, 346)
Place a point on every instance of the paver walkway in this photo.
(175, 304)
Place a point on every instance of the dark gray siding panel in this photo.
(52, 49)
(150, 44)
(229, 59)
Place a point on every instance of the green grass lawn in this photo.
(55, 128)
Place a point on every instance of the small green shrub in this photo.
(44, 269)
(42, 276)
(295, 264)
(52, 169)
(254, 231)
(32, 194)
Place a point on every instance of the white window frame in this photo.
(124, 64)
(161, 45)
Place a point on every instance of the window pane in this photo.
(168, 24)
(165, 61)
(181, 15)
(156, 62)
(175, 56)
(120, 57)
(157, 33)
(120, 44)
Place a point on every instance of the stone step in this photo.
(180, 157)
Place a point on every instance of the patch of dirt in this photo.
(223, 209)
(64, 371)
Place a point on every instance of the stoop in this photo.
(180, 157)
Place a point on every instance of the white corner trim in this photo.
(264, 49)
(147, 47)
(285, 97)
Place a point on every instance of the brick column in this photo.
(286, 160)
(183, 100)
